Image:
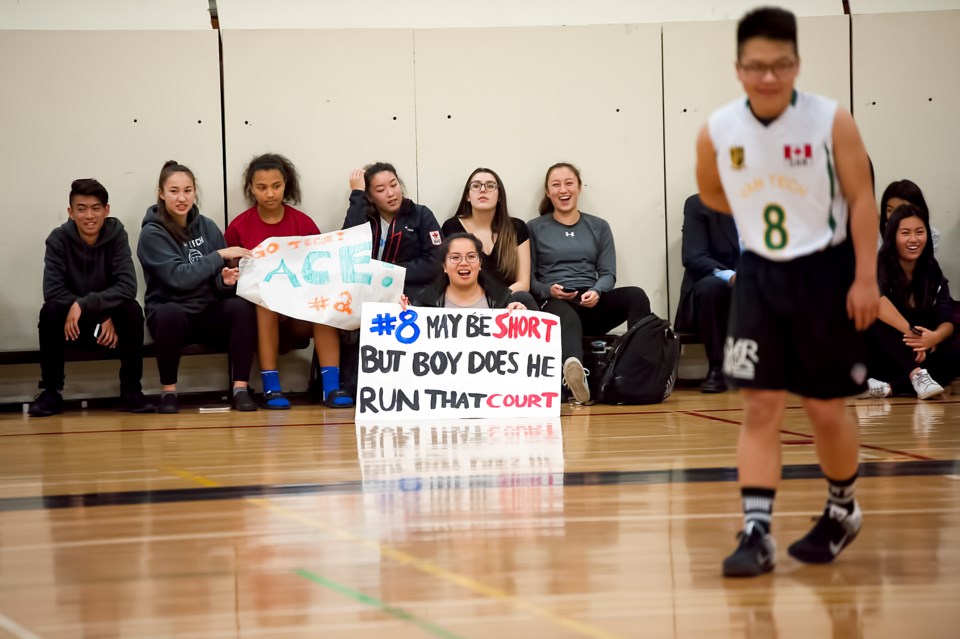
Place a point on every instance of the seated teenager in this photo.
(269, 182)
(404, 233)
(465, 284)
(89, 299)
(905, 192)
(191, 293)
(709, 252)
(483, 213)
(913, 346)
(574, 266)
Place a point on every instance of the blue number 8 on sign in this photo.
(408, 319)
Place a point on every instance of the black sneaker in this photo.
(755, 555)
(135, 403)
(169, 405)
(242, 401)
(714, 383)
(47, 403)
(834, 531)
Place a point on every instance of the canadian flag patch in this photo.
(797, 154)
(435, 237)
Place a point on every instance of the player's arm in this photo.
(853, 172)
(708, 177)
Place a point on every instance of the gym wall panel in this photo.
(906, 87)
(113, 105)
(699, 76)
(421, 14)
(331, 102)
(103, 15)
(518, 100)
(893, 6)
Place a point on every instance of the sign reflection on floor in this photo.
(462, 475)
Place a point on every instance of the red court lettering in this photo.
(531, 400)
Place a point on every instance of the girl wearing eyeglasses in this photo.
(465, 283)
(483, 213)
(574, 273)
(404, 233)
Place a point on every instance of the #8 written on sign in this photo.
(459, 363)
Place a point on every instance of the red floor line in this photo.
(810, 437)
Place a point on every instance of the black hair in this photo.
(372, 169)
(502, 227)
(927, 276)
(169, 168)
(771, 23)
(903, 190)
(546, 206)
(88, 186)
(270, 162)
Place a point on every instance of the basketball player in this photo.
(792, 169)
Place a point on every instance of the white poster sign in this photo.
(323, 278)
(442, 363)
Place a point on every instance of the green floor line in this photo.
(356, 595)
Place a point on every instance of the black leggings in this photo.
(626, 304)
(892, 361)
(232, 322)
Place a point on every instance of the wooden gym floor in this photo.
(608, 522)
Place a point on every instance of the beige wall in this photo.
(521, 94)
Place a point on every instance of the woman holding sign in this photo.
(191, 292)
(464, 284)
(574, 272)
(404, 233)
(506, 243)
(270, 181)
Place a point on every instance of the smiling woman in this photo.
(575, 271)
(464, 283)
(914, 349)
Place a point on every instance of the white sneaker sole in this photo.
(930, 394)
(575, 379)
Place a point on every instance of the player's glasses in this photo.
(469, 258)
(477, 185)
(758, 71)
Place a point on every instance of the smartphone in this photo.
(96, 331)
(568, 290)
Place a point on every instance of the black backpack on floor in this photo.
(641, 368)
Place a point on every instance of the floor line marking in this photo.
(16, 629)
(406, 559)
(890, 451)
(373, 602)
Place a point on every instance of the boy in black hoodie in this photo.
(89, 299)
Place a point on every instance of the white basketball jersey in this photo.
(780, 179)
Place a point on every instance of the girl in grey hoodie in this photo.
(191, 289)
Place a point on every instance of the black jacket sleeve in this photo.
(357, 211)
(695, 251)
(55, 289)
(426, 266)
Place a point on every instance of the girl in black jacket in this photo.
(913, 342)
(404, 233)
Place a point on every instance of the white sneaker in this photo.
(575, 378)
(924, 385)
(876, 390)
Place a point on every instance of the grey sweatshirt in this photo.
(581, 256)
